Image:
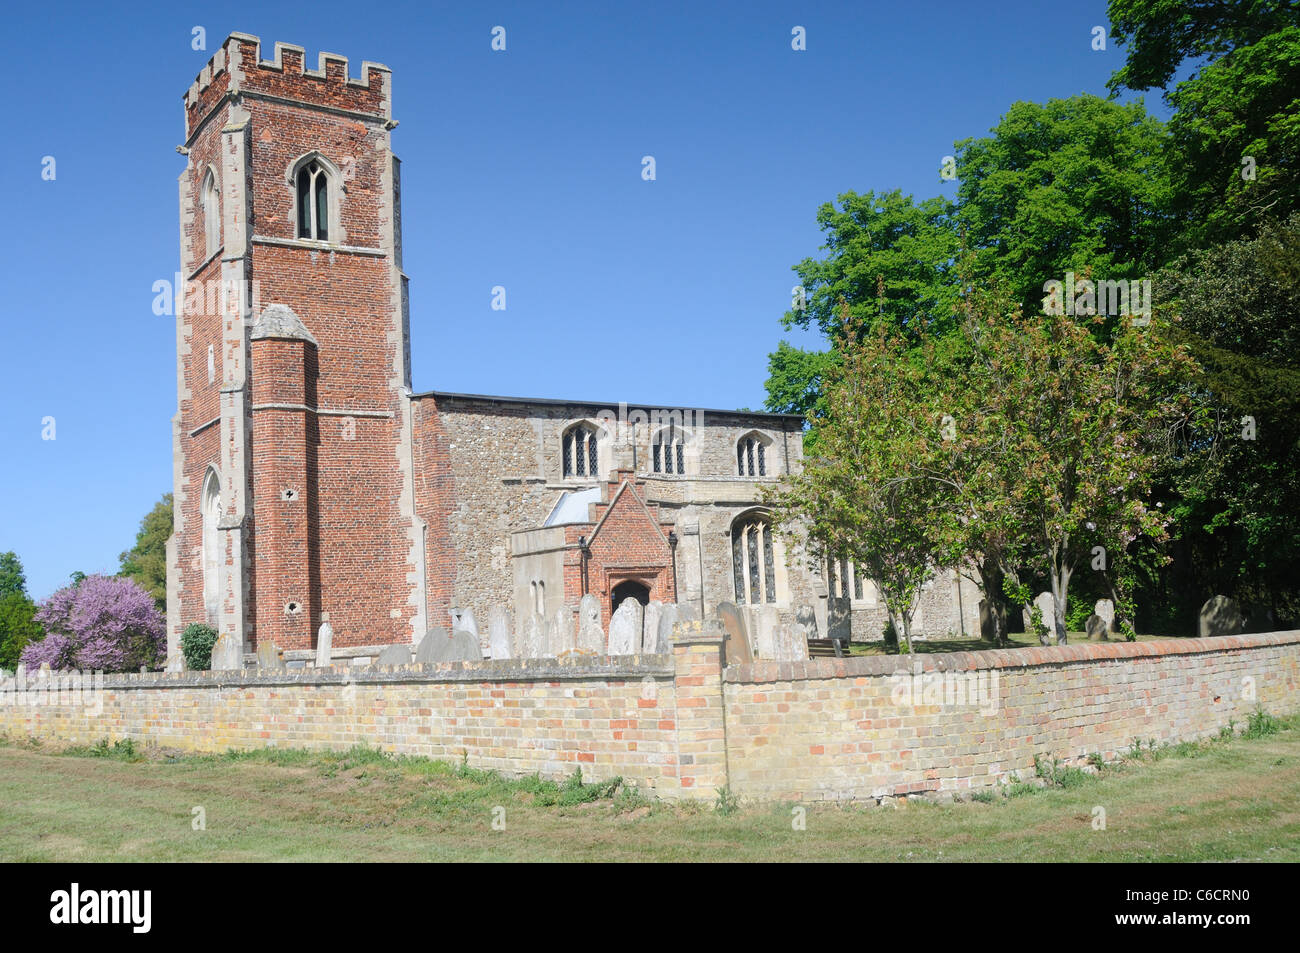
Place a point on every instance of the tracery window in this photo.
(581, 451)
(751, 456)
(313, 201)
(753, 560)
(668, 452)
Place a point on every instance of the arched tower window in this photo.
(667, 451)
(581, 451)
(753, 560)
(211, 504)
(751, 455)
(313, 186)
(211, 214)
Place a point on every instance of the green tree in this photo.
(862, 496)
(1076, 184)
(1059, 447)
(12, 577)
(1235, 146)
(146, 561)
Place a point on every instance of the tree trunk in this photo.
(1060, 586)
(991, 577)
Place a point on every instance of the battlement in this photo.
(237, 68)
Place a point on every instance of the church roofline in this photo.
(554, 402)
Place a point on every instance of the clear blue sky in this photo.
(520, 169)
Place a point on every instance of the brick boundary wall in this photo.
(683, 726)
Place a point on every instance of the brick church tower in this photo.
(292, 442)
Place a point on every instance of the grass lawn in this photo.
(1236, 799)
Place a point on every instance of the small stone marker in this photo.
(737, 648)
(650, 620)
(1220, 616)
(268, 655)
(667, 619)
(395, 655)
(176, 664)
(432, 648)
(1106, 609)
(591, 636)
(499, 634)
(625, 629)
(1097, 629)
(227, 654)
(324, 645)
(1046, 603)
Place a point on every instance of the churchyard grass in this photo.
(1227, 799)
(1015, 640)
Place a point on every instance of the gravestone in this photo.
(463, 619)
(625, 629)
(986, 621)
(789, 643)
(565, 640)
(463, 646)
(738, 649)
(652, 616)
(839, 619)
(1106, 609)
(431, 647)
(667, 619)
(395, 655)
(176, 664)
(763, 621)
(268, 655)
(532, 636)
(1220, 616)
(1096, 628)
(227, 654)
(805, 617)
(324, 644)
(1047, 606)
(591, 637)
(499, 634)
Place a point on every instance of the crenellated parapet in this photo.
(238, 69)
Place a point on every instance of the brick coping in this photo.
(822, 668)
(489, 670)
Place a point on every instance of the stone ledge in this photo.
(876, 665)
(501, 670)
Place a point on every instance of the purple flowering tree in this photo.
(102, 623)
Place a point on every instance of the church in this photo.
(312, 484)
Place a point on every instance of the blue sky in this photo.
(520, 169)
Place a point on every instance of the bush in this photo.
(18, 628)
(101, 624)
(196, 645)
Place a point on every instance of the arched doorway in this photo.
(629, 589)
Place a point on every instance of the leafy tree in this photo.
(1235, 479)
(103, 623)
(12, 577)
(1064, 436)
(1242, 106)
(1076, 184)
(18, 627)
(861, 497)
(196, 645)
(146, 561)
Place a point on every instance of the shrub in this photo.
(102, 623)
(196, 645)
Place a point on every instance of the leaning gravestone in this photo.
(625, 629)
(1220, 616)
(227, 654)
(324, 645)
(738, 650)
(650, 619)
(499, 634)
(268, 655)
(591, 637)
(1096, 628)
(431, 648)
(395, 655)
